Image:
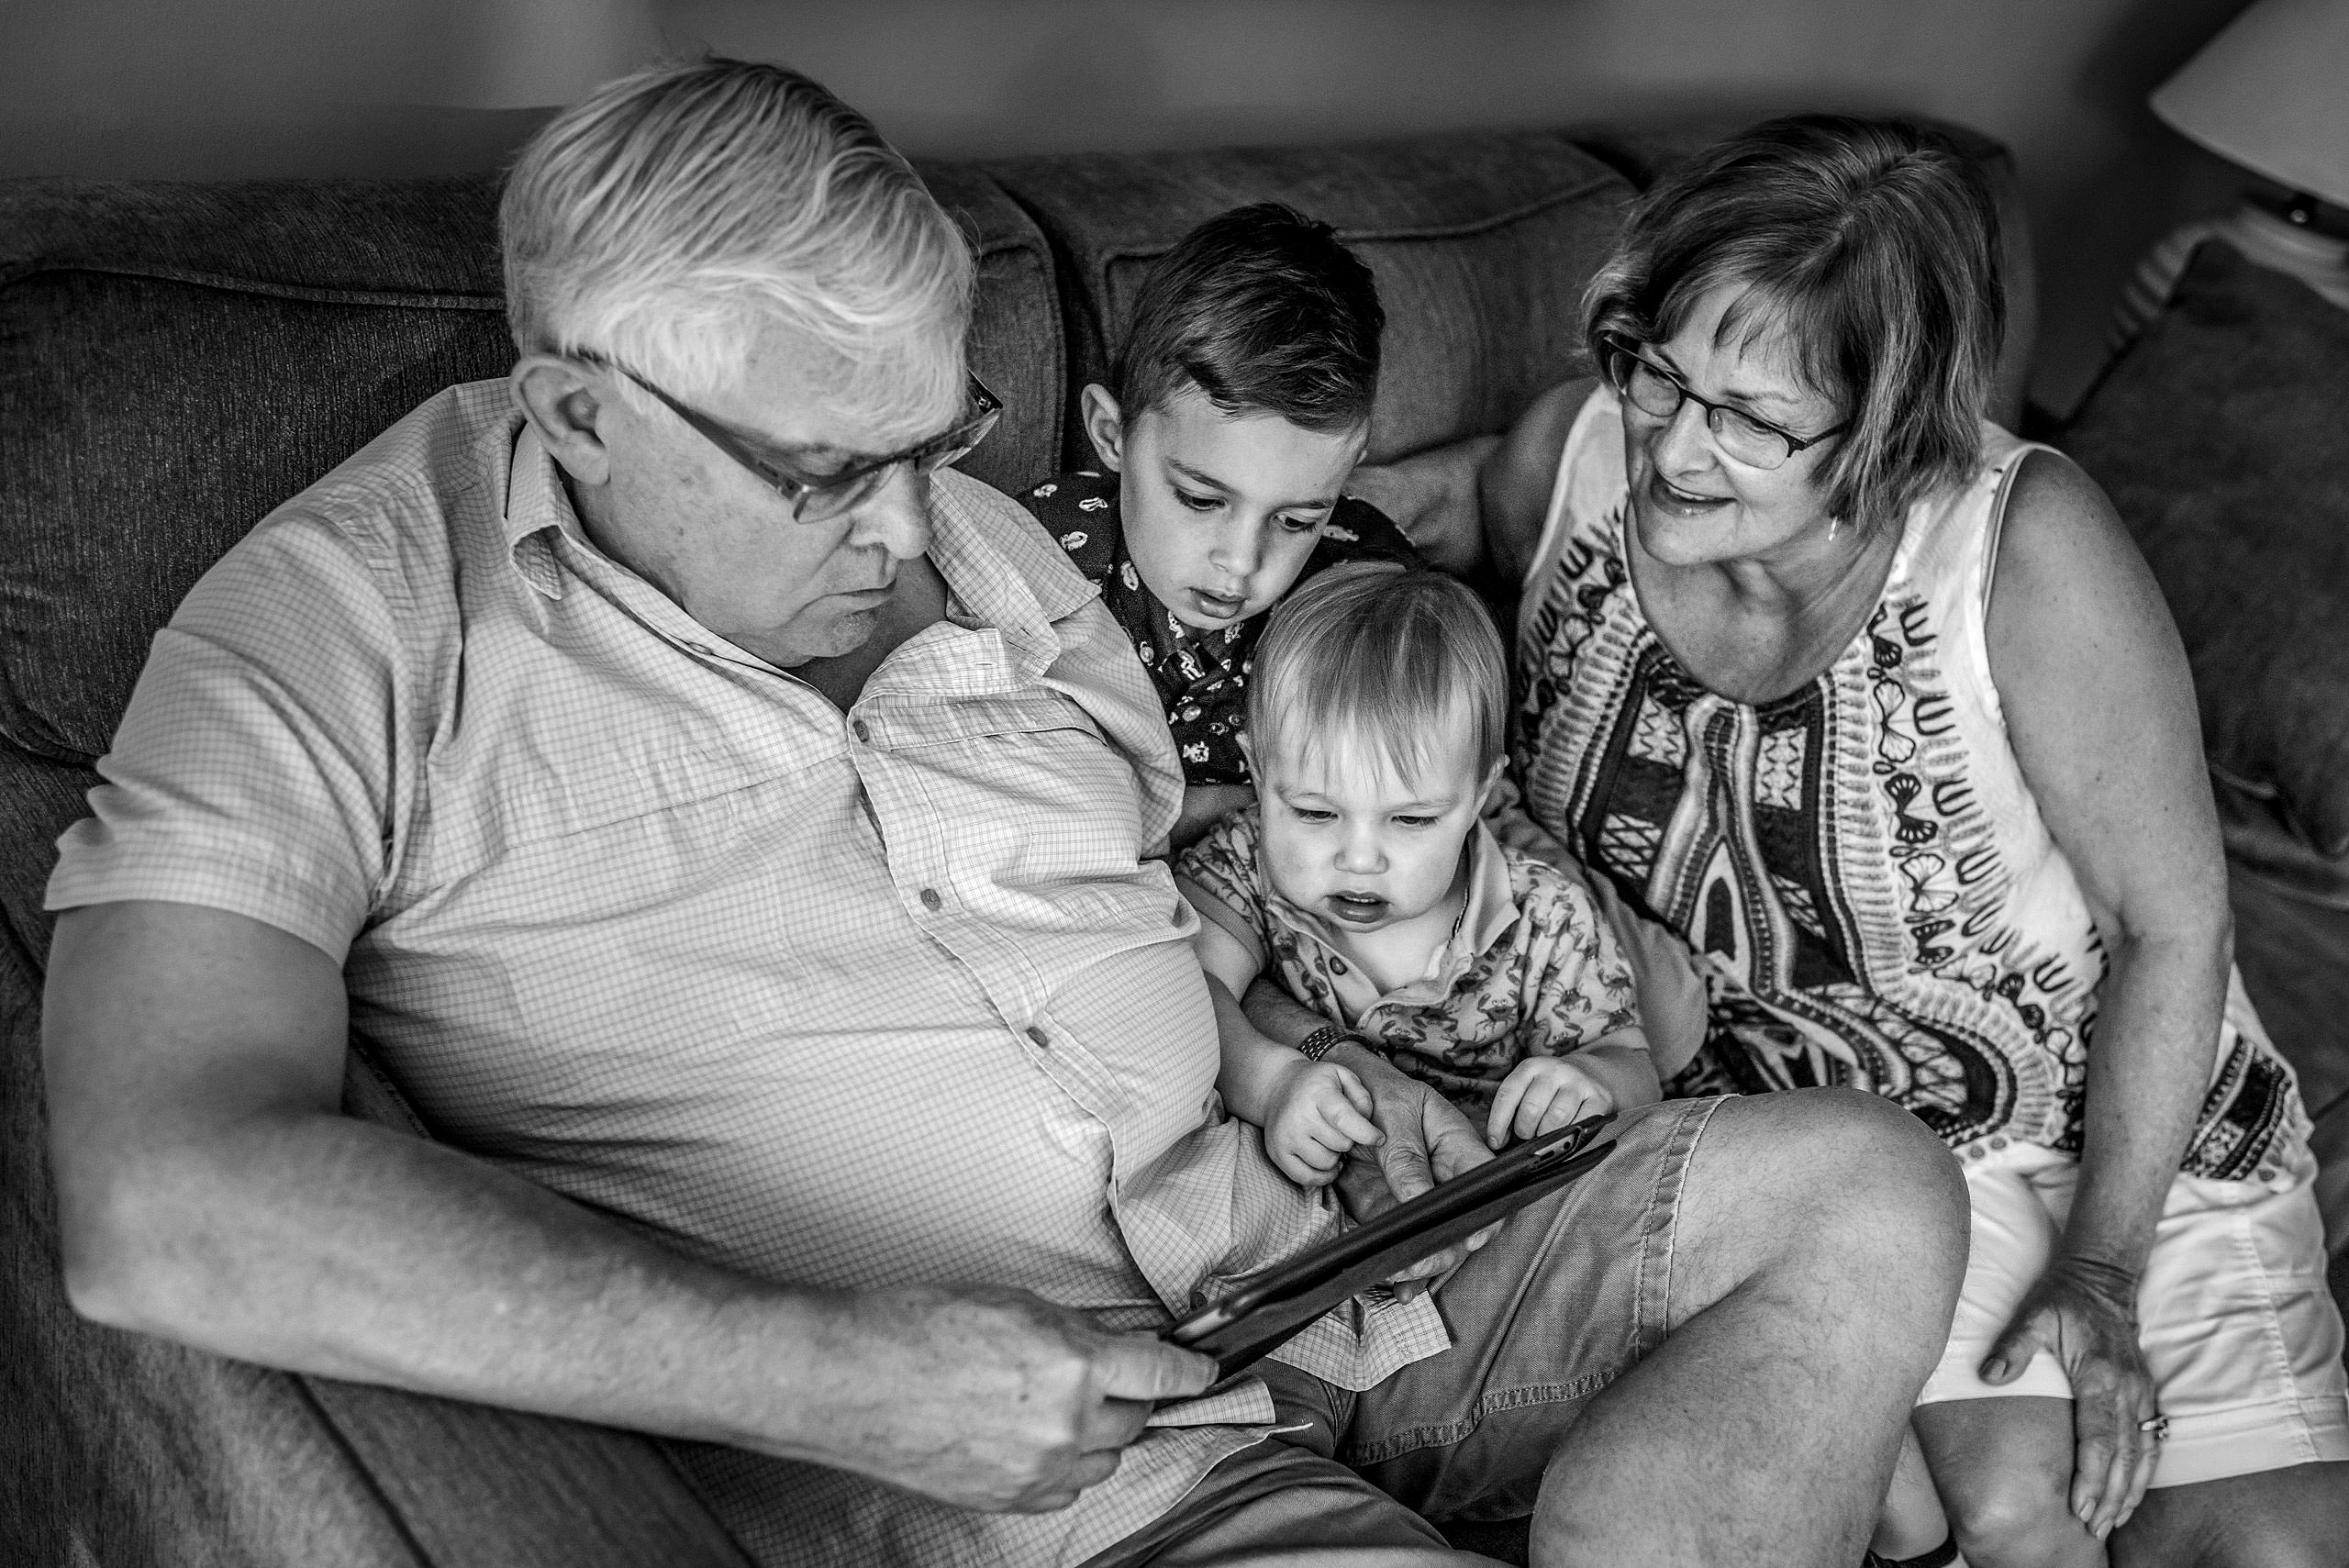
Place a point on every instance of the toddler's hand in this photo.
(1542, 1094)
(1318, 1110)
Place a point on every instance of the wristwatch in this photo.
(1325, 1039)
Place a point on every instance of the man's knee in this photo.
(1854, 1164)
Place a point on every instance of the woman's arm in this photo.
(2100, 710)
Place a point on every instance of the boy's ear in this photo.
(1105, 425)
(1492, 781)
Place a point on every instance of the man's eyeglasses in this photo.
(1655, 390)
(817, 498)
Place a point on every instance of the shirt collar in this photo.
(1002, 570)
(535, 502)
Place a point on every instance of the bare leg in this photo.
(2004, 1471)
(1912, 1522)
(1822, 1237)
(2277, 1518)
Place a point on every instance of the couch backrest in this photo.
(1481, 244)
(176, 359)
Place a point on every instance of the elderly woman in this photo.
(1877, 709)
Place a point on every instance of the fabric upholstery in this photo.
(225, 345)
(1481, 243)
(2220, 437)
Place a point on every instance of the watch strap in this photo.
(1324, 1040)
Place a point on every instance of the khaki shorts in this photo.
(2239, 1329)
(1570, 1295)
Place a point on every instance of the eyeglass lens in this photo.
(1656, 394)
(819, 503)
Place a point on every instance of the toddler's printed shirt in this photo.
(1201, 676)
(1532, 968)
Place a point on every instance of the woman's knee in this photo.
(2009, 1515)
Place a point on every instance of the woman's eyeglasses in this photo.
(817, 498)
(1656, 392)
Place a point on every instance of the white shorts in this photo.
(2242, 1336)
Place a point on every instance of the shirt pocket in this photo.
(1022, 805)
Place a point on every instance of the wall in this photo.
(217, 88)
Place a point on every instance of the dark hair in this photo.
(1262, 310)
(1873, 246)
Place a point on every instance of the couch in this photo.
(177, 359)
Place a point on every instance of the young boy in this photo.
(1239, 403)
(1365, 877)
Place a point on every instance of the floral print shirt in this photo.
(1201, 676)
(1532, 969)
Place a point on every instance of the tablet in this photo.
(1267, 1308)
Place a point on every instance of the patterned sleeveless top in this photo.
(1859, 868)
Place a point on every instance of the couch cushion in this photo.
(1481, 243)
(2219, 435)
(176, 359)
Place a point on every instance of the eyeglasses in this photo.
(1657, 392)
(817, 498)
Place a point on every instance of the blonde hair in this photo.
(1377, 653)
(662, 219)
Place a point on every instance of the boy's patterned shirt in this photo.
(1201, 676)
(1532, 968)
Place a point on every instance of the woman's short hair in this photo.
(1374, 654)
(1873, 245)
(663, 218)
(1264, 310)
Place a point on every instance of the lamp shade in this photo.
(2271, 93)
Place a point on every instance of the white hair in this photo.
(663, 220)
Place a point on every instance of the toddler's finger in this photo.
(1351, 1125)
(1357, 1095)
(1505, 1101)
(1532, 1110)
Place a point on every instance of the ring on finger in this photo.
(2156, 1428)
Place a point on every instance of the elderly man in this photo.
(733, 828)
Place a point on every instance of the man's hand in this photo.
(985, 1398)
(1424, 1139)
(2086, 1313)
(1318, 1112)
(1542, 1094)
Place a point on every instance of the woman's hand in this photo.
(2085, 1313)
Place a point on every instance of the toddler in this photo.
(1239, 404)
(1365, 878)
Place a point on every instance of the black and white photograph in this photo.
(1174, 784)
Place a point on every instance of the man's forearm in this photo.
(325, 1245)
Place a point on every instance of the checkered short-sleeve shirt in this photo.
(628, 911)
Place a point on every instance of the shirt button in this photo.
(861, 732)
(1039, 1036)
(930, 899)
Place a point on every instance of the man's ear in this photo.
(1105, 425)
(567, 404)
